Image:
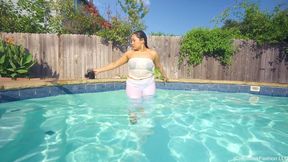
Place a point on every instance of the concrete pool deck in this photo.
(7, 83)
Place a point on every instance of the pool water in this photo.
(174, 126)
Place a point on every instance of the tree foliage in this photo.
(83, 20)
(261, 26)
(61, 16)
(30, 16)
(245, 20)
(122, 28)
(135, 11)
(161, 34)
(41, 16)
(119, 33)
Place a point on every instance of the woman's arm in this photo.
(159, 66)
(122, 60)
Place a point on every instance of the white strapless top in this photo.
(140, 68)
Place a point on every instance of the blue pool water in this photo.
(174, 126)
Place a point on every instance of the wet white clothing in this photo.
(140, 68)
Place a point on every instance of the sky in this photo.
(177, 17)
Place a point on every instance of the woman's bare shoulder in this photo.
(153, 53)
(129, 53)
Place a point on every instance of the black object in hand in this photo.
(90, 74)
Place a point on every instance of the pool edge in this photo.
(75, 87)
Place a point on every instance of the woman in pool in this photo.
(141, 62)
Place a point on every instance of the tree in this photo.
(7, 16)
(122, 28)
(84, 20)
(230, 23)
(136, 11)
(41, 16)
(261, 26)
(118, 33)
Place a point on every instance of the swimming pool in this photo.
(198, 124)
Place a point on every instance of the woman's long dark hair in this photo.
(141, 35)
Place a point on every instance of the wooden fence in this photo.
(68, 57)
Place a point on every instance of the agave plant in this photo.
(15, 61)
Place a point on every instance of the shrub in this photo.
(201, 42)
(157, 74)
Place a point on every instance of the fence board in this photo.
(268, 64)
(109, 58)
(174, 56)
(98, 57)
(250, 69)
(262, 65)
(283, 66)
(283, 72)
(67, 57)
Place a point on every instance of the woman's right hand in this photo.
(96, 71)
(165, 79)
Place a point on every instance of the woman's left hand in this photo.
(165, 79)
